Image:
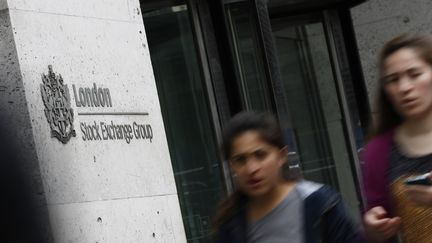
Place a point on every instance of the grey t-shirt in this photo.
(281, 225)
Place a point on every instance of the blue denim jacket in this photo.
(325, 219)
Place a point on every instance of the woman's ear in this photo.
(284, 155)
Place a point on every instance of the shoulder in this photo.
(307, 188)
(316, 194)
(326, 217)
(375, 156)
(378, 146)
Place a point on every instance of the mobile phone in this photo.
(419, 180)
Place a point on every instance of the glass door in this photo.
(312, 97)
(186, 114)
(250, 67)
(304, 83)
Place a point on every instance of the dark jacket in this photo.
(325, 219)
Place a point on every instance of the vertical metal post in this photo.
(355, 163)
(209, 87)
(268, 52)
(275, 84)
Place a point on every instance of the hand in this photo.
(378, 227)
(420, 195)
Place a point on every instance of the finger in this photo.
(396, 219)
(379, 212)
(386, 227)
(389, 232)
(374, 221)
(395, 222)
(381, 225)
(392, 225)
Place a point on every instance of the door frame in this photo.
(338, 56)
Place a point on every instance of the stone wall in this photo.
(377, 21)
(98, 188)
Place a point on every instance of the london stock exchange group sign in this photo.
(57, 102)
(60, 115)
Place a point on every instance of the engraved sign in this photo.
(57, 101)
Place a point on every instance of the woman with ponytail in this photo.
(268, 207)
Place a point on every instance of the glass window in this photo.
(188, 126)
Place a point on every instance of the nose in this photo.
(252, 166)
(405, 85)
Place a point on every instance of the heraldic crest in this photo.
(57, 103)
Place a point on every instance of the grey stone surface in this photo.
(134, 220)
(15, 115)
(3, 4)
(377, 21)
(120, 10)
(129, 186)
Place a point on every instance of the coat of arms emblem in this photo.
(57, 101)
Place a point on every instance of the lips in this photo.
(254, 182)
(409, 101)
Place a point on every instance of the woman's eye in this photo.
(260, 154)
(415, 75)
(390, 80)
(238, 160)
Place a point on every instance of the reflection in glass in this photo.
(186, 116)
(250, 72)
(312, 98)
(314, 126)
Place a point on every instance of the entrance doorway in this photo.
(186, 113)
(212, 59)
(287, 64)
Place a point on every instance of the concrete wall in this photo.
(98, 190)
(377, 21)
(15, 118)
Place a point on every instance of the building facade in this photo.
(79, 96)
(296, 59)
(119, 105)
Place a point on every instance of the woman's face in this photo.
(408, 83)
(256, 164)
